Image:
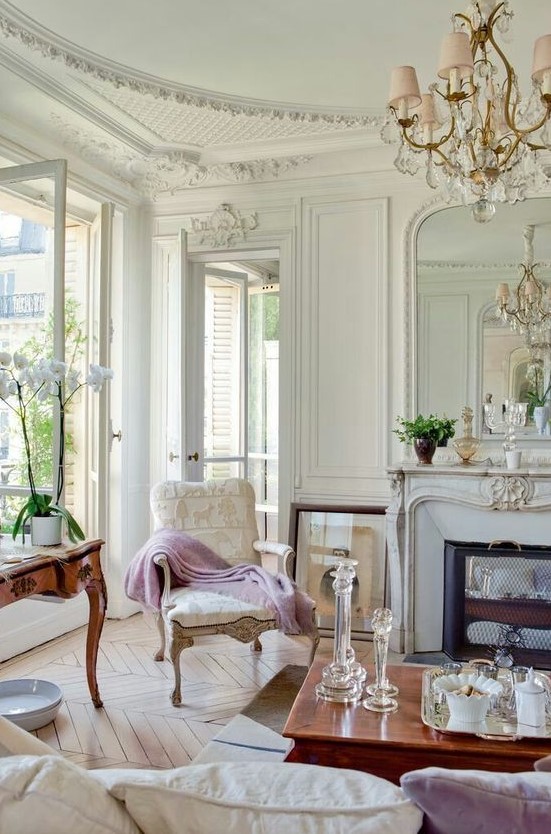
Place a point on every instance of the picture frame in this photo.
(316, 532)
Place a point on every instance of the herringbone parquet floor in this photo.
(138, 726)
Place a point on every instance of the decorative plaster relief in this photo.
(13, 24)
(165, 173)
(225, 226)
(506, 492)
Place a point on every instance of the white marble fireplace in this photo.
(432, 504)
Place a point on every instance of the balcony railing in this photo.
(24, 305)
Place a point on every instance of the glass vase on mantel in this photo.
(342, 679)
(467, 446)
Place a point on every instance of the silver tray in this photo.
(501, 721)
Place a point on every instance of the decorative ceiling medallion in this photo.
(225, 226)
(55, 48)
(152, 176)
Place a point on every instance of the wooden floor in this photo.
(138, 726)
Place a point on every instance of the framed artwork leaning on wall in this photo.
(317, 533)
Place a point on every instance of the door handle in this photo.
(117, 435)
(194, 456)
(172, 457)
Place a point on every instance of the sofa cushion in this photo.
(246, 797)
(18, 742)
(50, 795)
(459, 801)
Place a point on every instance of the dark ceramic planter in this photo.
(424, 449)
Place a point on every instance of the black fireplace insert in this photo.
(497, 602)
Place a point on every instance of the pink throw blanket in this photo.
(192, 564)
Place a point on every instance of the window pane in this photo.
(264, 405)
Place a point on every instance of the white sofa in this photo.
(42, 792)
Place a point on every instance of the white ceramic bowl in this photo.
(467, 709)
(449, 683)
(30, 703)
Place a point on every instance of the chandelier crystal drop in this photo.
(479, 138)
(528, 309)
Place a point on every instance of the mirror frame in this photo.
(411, 317)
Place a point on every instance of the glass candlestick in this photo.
(380, 700)
(338, 681)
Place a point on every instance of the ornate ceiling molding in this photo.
(466, 266)
(14, 24)
(167, 173)
(224, 227)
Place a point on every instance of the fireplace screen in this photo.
(497, 601)
(317, 534)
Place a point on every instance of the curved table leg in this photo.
(97, 599)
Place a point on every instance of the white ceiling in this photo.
(171, 94)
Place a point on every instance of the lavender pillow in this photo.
(459, 801)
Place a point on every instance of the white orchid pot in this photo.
(541, 417)
(46, 530)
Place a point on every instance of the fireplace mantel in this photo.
(442, 501)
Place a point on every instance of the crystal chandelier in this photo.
(528, 310)
(479, 138)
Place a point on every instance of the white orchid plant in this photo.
(22, 383)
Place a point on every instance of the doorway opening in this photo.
(241, 379)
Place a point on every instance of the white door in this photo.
(216, 378)
(99, 352)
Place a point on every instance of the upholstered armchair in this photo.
(221, 515)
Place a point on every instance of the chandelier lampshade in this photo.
(482, 143)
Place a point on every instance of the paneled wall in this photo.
(342, 251)
(344, 331)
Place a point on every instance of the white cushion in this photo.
(50, 795)
(219, 513)
(205, 608)
(17, 742)
(253, 797)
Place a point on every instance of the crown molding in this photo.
(156, 174)
(14, 24)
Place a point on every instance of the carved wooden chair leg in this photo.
(177, 644)
(256, 645)
(160, 655)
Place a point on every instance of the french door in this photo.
(216, 380)
(220, 325)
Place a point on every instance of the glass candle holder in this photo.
(380, 700)
(340, 681)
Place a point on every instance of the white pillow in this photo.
(17, 742)
(50, 795)
(267, 797)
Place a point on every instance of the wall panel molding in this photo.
(344, 338)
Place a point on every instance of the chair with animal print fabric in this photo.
(221, 515)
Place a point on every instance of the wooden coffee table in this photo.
(389, 745)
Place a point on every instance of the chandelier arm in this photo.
(509, 109)
(429, 146)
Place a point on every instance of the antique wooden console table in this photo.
(65, 572)
(341, 735)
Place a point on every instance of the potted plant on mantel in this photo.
(425, 434)
(20, 384)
